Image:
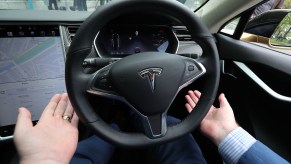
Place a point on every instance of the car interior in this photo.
(142, 56)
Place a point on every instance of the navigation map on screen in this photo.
(31, 71)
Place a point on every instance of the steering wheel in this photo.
(147, 82)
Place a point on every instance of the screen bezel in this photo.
(19, 31)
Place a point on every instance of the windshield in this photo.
(73, 5)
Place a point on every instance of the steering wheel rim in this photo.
(82, 46)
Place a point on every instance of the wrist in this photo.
(223, 133)
(42, 160)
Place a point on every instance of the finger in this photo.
(51, 106)
(190, 101)
(197, 94)
(23, 120)
(75, 120)
(69, 110)
(62, 105)
(188, 107)
(223, 101)
(193, 96)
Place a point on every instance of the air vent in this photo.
(182, 33)
(71, 31)
(68, 33)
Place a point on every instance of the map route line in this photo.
(35, 51)
(30, 54)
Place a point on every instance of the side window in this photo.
(270, 26)
(230, 27)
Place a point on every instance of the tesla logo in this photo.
(151, 74)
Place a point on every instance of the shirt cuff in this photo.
(235, 144)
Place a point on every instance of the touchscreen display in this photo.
(31, 71)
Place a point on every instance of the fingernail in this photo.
(19, 109)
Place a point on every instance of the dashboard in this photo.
(33, 52)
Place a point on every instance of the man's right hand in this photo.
(219, 122)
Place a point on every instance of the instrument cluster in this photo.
(123, 40)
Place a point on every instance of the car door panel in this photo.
(258, 81)
(236, 50)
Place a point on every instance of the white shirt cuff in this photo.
(235, 144)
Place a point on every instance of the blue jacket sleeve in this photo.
(260, 154)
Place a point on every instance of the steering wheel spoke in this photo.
(100, 85)
(153, 126)
(156, 125)
(193, 71)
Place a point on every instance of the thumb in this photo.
(23, 120)
(223, 101)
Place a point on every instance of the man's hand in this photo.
(219, 122)
(53, 139)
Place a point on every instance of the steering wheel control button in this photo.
(102, 82)
(191, 68)
(104, 75)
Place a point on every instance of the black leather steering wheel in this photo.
(147, 82)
